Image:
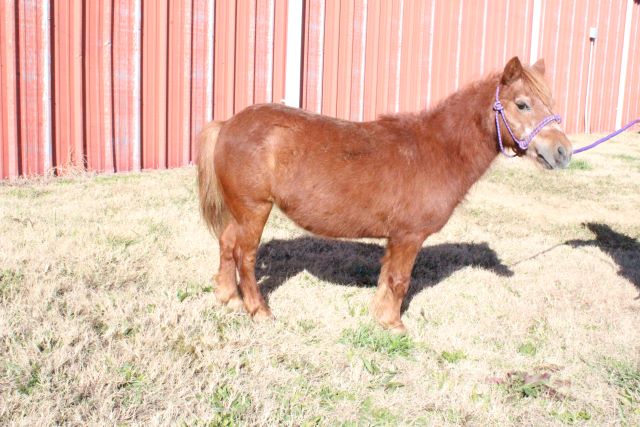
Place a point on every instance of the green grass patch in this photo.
(580, 165)
(370, 366)
(373, 415)
(27, 192)
(158, 230)
(528, 349)
(571, 418)
(120, 242)
(182, 294)
(533, 390)
(306, 325)
(626, 158)
(383, 377)
(329, 395)
(523, 385)
(626, 378)
(539, 329)
(131, 375)
(225, 324)
(10, 281)
(357, 309)
(373, 338)
(123, 178)
(28, 384)
(62, 182)
(192, 289)
(132, 384)
(229, 406)
(453, 356)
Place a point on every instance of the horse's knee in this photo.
(399, 284)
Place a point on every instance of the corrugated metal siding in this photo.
(179, 75)
(9, 157)
(201, 67)
(313, 47)
(115, 85)
(97, 92)
(565, 48)
(631, 107)
(67, 76)
(225, 43)
(154, 83)
(34, 88)
(387, 56)
(279, 50)
(127, 63)
(264, 36)
(418, 52)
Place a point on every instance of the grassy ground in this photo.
(524, 310)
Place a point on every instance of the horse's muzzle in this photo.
(562, 155)
(553, 156)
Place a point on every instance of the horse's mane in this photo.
(532, 79)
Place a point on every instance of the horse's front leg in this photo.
(393, 282)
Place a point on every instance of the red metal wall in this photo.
(33, 87)
(8, 99)
(388, 56)
(631, 106)
(116, 85)
(565, 46)
(366, 57)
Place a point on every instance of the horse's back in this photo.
(331, 176)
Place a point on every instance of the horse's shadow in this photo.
(624, 250)
(358, 264)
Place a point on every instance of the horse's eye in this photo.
(522, 106)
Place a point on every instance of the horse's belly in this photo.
(333, 213)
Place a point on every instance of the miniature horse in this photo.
(399, 177)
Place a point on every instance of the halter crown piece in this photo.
(523, 144)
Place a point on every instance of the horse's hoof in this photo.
(236, 304)
(398, 329)
(220, 297)
(262, 314)
(224, 296)
(217, 301)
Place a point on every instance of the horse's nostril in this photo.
(562, 151)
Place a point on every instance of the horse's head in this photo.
(527, 123)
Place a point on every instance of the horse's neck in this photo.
(463, 123)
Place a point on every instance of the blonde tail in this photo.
(212, 206)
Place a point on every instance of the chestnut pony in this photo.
(399, 177)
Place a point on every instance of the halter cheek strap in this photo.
(523, 144)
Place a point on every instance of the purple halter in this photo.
(523, 144)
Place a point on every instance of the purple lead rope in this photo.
(606, 138)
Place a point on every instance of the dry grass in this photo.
(519, 314)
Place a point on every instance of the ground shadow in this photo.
(356, 263)
(624, 250)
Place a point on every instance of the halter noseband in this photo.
(523, 144)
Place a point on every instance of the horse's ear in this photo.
(539, 66)
(512, 71)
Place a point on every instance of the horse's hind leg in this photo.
(226, 291)
(249, 230)
(393, 282)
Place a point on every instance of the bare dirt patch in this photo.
(524, 310)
